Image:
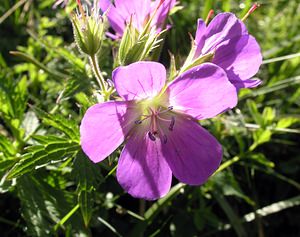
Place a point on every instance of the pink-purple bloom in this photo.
(139, 12)
(158, 122)
(235, 50)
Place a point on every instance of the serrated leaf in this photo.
(86, 203)
(73, 86)
(41, 155)
(88, 177)
(44, 206)
(6, 147)
(68, 127)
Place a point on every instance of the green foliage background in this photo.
(49, 188)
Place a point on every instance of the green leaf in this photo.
(34, 61)
(67, 126)
(254, 112)
(287, 122)
(226, 182)
(230, 213)
(44, 206)
(41, 155)
(268, 116)
(260, 136)
(88, 177)
(155, 209)
(6, 147)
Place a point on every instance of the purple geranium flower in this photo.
(236, 51)
(159, 124)
(138, 11)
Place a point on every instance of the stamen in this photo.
(159, 111)
(164, 139)
(81, 9)
(141, 120)
(138, 121)
(251, 10)
(151, 136)
(171, 127)
(209, 16)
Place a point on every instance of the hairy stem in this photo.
(98, 73)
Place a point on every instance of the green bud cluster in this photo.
(89, 31)
(136, 46)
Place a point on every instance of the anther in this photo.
(172, 123)
(209, 16)
(151, 136)
(170, 107)
(138, 121)
(164, 139)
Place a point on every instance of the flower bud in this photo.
(88, 29)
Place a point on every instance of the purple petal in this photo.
(200, 36)
(202, 92)
(139, 80)
(192, 153)
(241, 58)
(142, 170)
(116, 20)
(162, 13)
(104, 127)
(249, 83)
(223, 27)
(104, 4)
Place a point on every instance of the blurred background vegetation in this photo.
(49, 188)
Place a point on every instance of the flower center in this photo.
(160, 120)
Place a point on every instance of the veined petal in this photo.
(202, 92)
(223, 27)
(116, 20)
(104, 127)
(162, 12)
(241, 58)
(142, 170)
(200, 37)
(139, 80)
(138, 10)
(192, 153)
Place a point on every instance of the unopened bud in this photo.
(88, 29)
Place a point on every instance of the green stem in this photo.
(98, 74)
(66, 217)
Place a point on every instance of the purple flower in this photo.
(138, 11)
(235, 50)
(159, 124)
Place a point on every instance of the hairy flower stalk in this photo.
(226, 42)
(89, 26)
(159, 124)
